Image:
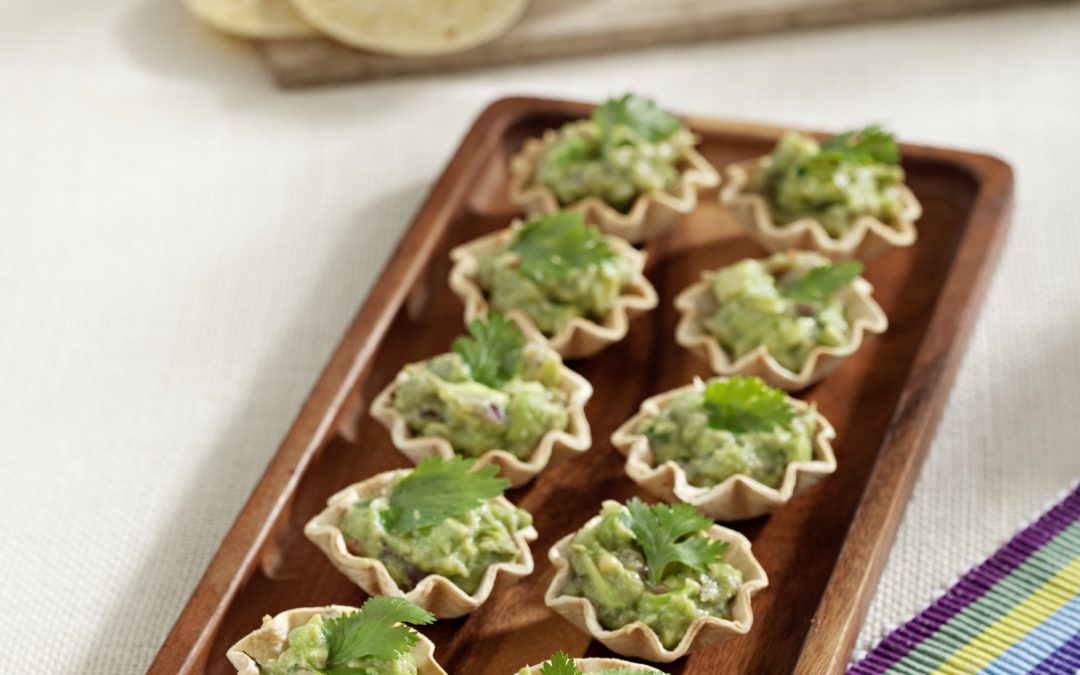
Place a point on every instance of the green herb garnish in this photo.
(438, 489)
(819, 284)
(871, 145)
(493, 352)
(551, 246)
(638, 114)
(374, 632)
(663, 532)
(742, 404)
(560, 664)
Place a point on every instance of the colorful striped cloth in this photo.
(1018, 612)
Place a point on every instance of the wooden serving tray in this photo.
(561, 28)
(823, 552)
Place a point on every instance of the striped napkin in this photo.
(1018, 612)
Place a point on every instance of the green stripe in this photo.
(1008, 592)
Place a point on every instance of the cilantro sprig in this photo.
(640, 115)
(744, 404)
(819, 284)
(870, 145)
(438, 489)
(551, 246)
(663, 532)
(561, 664)
(493, 349)
(374, 631)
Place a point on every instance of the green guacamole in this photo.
(753, 310)
(609, 570)
(308, 652)
(710, 453)
(551, 296)
(833, 182)
(460, 548)
(628, 147)
(439, 398)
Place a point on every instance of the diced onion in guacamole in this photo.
(308, 652)
(835, 187)
(752, 310)
(608, 568)
(439, 398)
(709, 453)
(629, 147)
(460, 548)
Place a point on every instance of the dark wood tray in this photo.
(823, 552)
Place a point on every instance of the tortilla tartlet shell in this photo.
(414, 28)
(738, 497)
(697, 301)
(867, 238)
(271, 639)
(652, 214)
(554, 447)
(580, 337)
(587, 666)
(256, 19)
(435, 593)
(637, 639)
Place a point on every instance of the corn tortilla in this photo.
(412, 27)
(259, 19)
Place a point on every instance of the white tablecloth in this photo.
(182, 244)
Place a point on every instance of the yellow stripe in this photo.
(1014, 624)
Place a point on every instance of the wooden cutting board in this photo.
(560, 28)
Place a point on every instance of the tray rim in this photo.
(832, 634)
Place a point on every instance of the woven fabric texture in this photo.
(1017, 612)
(183, 243)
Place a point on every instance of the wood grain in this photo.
(823, 552)
(561, 28)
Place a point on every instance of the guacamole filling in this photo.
(448, 396)
(627, 148)
(844, 178)
(609, 567)
(308, 652)
(459, 547)
(739, 426)
(556, 269)
(790, 303)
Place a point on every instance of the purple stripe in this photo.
(970, 588)
(1064, 659)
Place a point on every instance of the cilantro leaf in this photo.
(560, 664)
(640, 115)
(551, 246)
(819, 284)
(741, 404)
(493, 352)
(372, 632)
(438, 489)
(662, 532)
(869, 145)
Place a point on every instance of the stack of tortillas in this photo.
(398, 27)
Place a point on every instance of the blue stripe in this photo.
(1065, 660)
(1043, 640)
